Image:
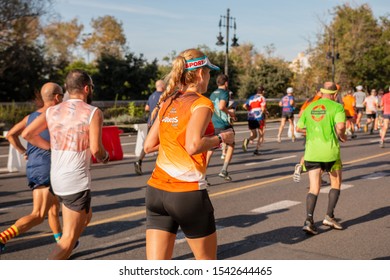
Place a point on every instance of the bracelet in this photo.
(220, 138)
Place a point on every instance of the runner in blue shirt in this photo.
(287, 103)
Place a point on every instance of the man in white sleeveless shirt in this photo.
(75, 134)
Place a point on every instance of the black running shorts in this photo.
(192, 211)
(78, 201)
(324, 166)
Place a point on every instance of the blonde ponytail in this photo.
(178, 78)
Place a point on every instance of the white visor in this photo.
(195, 63)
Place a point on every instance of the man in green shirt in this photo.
(323, 122)
(221, 122)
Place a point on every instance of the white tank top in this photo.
(68, 123)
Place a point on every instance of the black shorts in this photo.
(324, 166)
(192, 211)
(256, 124)
(288, 115)
(371, 116)
(359, 110)
(78, 201)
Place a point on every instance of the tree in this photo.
(107, 38)
(22, 64)
(254, 69)
(129, 78)
(361, 42)
(61, 39)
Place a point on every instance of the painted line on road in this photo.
(377, 140)
(284, 204)
(366, 158)
(343, 187)
(3, 156)
(271, 160)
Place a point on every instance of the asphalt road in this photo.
(259, 214)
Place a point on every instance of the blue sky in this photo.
(157, 27)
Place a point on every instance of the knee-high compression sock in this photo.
(311, 201)
(9, 234)
(333, 197)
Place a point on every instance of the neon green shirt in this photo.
(320, 118)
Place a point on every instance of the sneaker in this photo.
(371, 131)
(257, 152)
(381, 144)
(365, 129)
(293, 138)
(223, 156)
(245, 144)
(279, 139)
(297, 173)
(224, 174)
(309, 227)
(353, 136)
(331, 222)
(138, 167)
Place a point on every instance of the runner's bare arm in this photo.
(32, 131)
(152, 140)
(14, 133)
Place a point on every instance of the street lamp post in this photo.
(332, 54)
(225, 21)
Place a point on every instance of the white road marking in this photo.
(343, 187)
(271, 160)
(284, 204)
(377, 140)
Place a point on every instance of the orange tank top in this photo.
(176, 170)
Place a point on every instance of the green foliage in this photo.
(129, 77)
(23, 71)
(135, 111)
(12, 114)
(362, 42)
(114, 112)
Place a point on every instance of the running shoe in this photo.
(245, 144)
(381, 144)
(223, 156)
(138, 168)
(297, 173)
(293, 138)
(331, 222)
(353, 136)
(224, 174)
(279, 139)
(309, 227)
(365, 129)
(257, 152)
